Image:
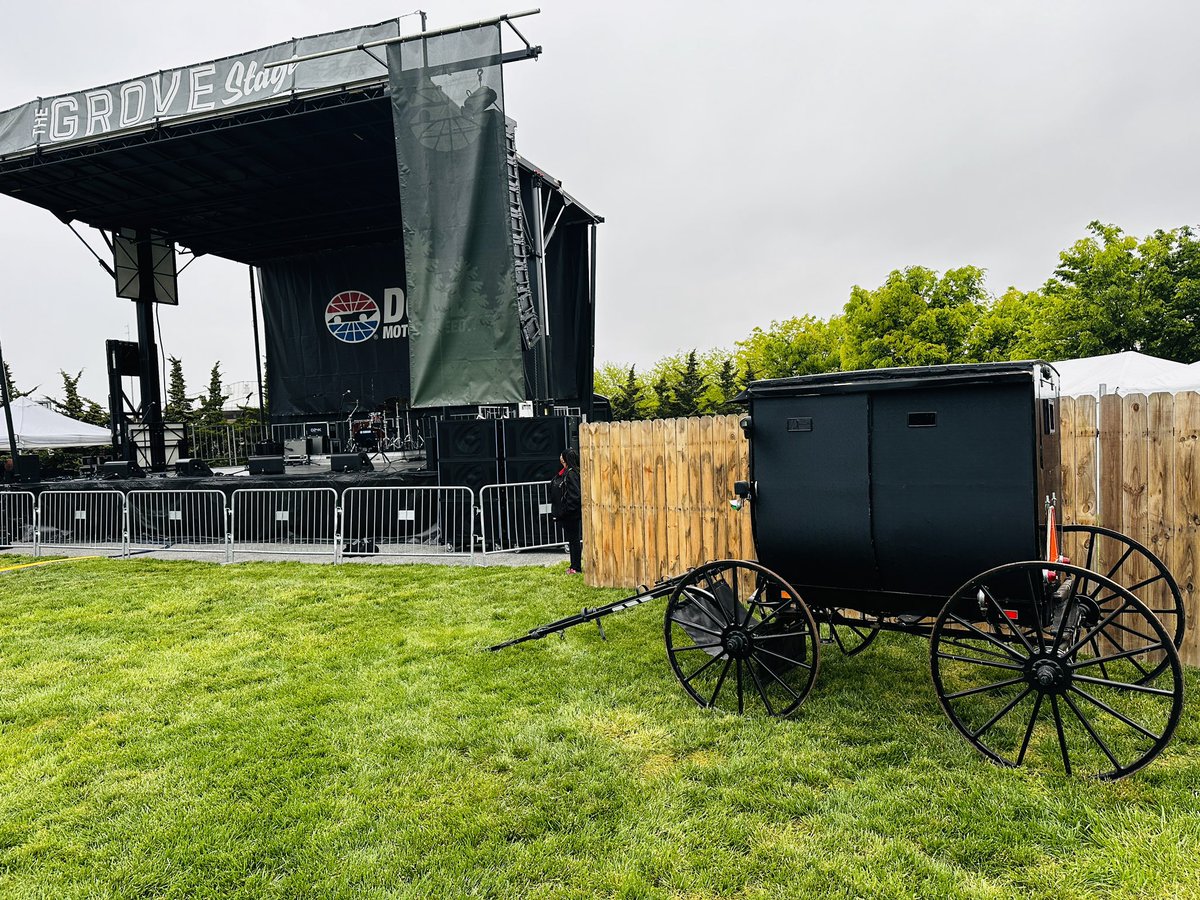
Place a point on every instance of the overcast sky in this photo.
(753, 160)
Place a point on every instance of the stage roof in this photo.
(230, 159)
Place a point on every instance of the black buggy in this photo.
(925, 500)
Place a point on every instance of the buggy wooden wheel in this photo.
(739, 638)
(1135, 568)
(1025, 664)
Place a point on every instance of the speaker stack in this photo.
(532, 448)
(467, 453)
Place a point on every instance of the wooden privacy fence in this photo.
(656, 494)
(656, 498)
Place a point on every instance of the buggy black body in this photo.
(926, 501)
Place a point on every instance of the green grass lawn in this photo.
(176, 729)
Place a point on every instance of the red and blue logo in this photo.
(352, 317)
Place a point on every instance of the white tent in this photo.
(39, 428)
(1126, 373)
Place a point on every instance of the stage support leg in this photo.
(148, 355)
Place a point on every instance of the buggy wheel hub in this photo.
(1049, 675)
(738, 643)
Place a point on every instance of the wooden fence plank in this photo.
(1111, 446)
(1160, 478)
(1087, 501)
(1066, 443)
(1186, 549)
(1132, 477)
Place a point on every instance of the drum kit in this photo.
(378, 433)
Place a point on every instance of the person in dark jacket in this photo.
(566, 507)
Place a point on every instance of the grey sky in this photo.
(753, 160)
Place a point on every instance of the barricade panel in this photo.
(293, 521)
(17, 521)
(178, 521)
(517, 517)
(78, 520)
(408, 521)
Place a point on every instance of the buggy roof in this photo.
(900, 378)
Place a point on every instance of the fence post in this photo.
(125, 527)
(339, 518)
(476, 516)
(229, 533)
(37, 527)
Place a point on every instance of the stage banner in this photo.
(448, 115)
(336, 331)
(200, 91)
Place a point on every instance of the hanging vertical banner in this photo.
(448, 115)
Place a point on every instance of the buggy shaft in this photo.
(660, 589)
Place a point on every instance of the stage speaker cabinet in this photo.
(467, 439)
(121, 468)
(518, 471)
(471, 473)
(537, 438)
(266, 465)
(28, 468)
(268, 448)
(192, 467)
(346, 462)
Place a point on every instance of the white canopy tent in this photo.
(1126, 373)
(39, 428)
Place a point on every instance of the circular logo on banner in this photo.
(352, 316)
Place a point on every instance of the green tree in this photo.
(13, 391)
(211, 413)
(179, 405)
(75, 405)
(726, 385)
(803, 345)
(1113, 292)
(628, 397)
(914, 318)
(687, 391)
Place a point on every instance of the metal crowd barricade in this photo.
(81, 520)
(407, 521)
(18, 520)
(517, 517)
(290, 521)
(179, 521)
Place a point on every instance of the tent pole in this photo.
(12, 434)
(262, 405)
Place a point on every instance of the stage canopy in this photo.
(291, 151)
(39, 428)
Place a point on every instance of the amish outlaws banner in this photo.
(448, 114)
(198, 91)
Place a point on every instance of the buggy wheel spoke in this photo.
(1037, 705)
(786, 659)
(704, 608)
(1062, 738)
(1133, 631)
(1125, 686)
(1104, 623)
(987, 687)
(1120, 562)
(1096, 647)
(720, 681)
(1119, 716)
(697, 647)
(1101, 660)
(973, 648)
(741, 700)
(837, 638)
(981, 662)
(1121, 647)
(700, 628)
(1000, 715)
(990, 638)
(1037, 609)
(711, 662)
(761, 693)
(787, 687)
(1090, 730)
(1009, 622)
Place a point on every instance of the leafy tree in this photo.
(211, 413)
(804, 345)
(688, 389)
(1112, 292)
(179, 405)
(914, 319)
